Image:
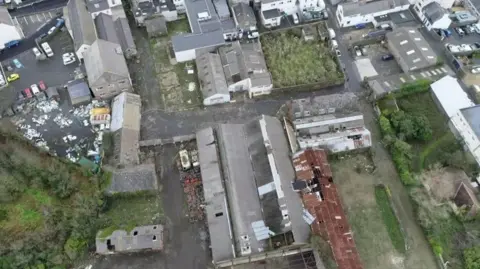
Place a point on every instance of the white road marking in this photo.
(423, 75)
(25, 20)
(31, 19)
(402, 80)
(50, 15)
(44, 16)
(433, 72)
(428, 73)
(16, 21)
(413, 77)
(38, 17)
(386, 83)
(444, 70)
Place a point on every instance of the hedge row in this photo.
(418, 86)
(399, 149)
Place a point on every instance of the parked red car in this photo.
(28, 93)
(42, 85)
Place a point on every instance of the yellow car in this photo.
(13, 77)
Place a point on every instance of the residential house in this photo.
(245, 68)
(143, 9)
(253, 164)
(311, 5)
(80, 26)
(272, 11)
(130, 179)
(354, 13)
(139, 238)
(322, 206)
(107, 70)
(410, 49)
(210, 26)
(433, 15)
(244, 17)
(466, 197)
(117, 32)
(8, 30)
(446, 4)
(126, 116)
(461, 112)
(212, 80)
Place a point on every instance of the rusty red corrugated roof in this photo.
(324, 204)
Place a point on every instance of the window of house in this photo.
(219, 214)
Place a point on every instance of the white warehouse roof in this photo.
(450, 95)
(365, 68)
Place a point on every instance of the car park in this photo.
(387, 57)
(42, 86)
(68, 58)
(51, 30)
(36, 52)
(28, 93)
(35, 88)
(13, 77)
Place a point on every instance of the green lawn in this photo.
(390, 219)
(293, 61)
(127, 212)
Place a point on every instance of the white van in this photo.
(334, 44)
(47, 49)
(331, 33)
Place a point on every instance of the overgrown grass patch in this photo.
(389, 218)
(128, 211)
(294, 61)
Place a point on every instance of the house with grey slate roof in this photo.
(80, 26)
(107, 70)
(117, 31)
(432, 15)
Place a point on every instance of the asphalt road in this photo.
(26, 43)
(36, 6)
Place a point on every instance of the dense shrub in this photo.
(410, 127)
(418, 86)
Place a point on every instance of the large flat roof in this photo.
(451, 95)
(197, 41)
(362, 8)
(411, 49)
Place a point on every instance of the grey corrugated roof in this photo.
(221, 7)
(105, 57)
(81, 23)
(197, 41)
(472, 115)
(244, 16)
(433, 12)
(96, 5)
(194, 7)
(410, 48)
(215, 196)
(106, 28)
(362, 8)
(244, 150)
(261, 79)
(210, 75)
(124, 34)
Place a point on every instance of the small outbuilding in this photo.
(52, 94)
(79, 92)
(156, 26)
(139, 238)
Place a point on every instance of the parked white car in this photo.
(35, 89)
(37, 52)
(51, 30)
(68, 58)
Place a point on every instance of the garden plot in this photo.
(179, 89)
(294, 61)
